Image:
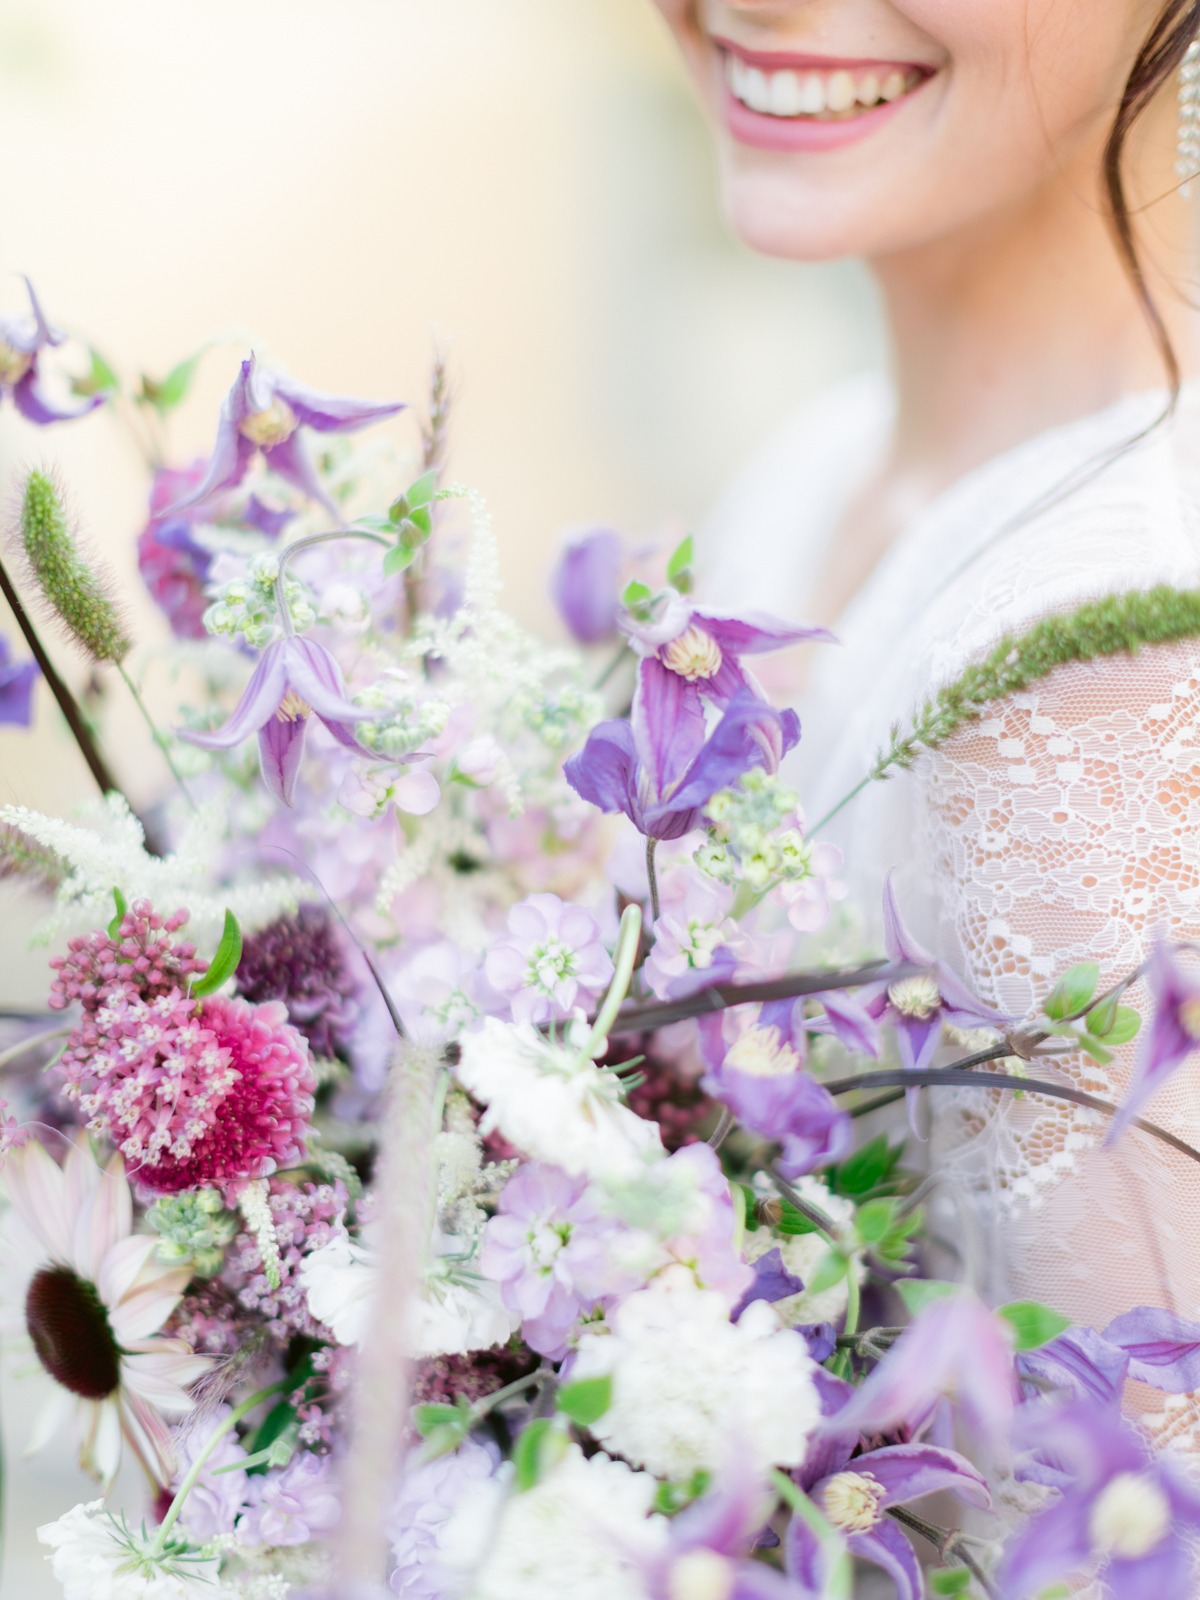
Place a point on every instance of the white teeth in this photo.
(789, 93)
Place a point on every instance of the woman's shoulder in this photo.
(760, 543)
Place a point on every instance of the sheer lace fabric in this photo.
(1064, 825)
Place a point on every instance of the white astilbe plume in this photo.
(106, 849)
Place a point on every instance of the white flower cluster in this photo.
(95, 1557)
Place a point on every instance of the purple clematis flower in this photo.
(854, 1492)
(661, 770)
(919, 1007)
(17, 679)
(586, 584)
(294, 679)
(955, 1348)
(1127, 1512)
(265, 411)
(772, 1281)
(760, 1076)
(1171, 1037)
(22, 340)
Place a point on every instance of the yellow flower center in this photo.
(14, 364)
(1189, 1017)
(694, 654)
(763, 1054)
(917, 997)
(851, 1501)
(270, 427)
(1129, 1517)
(292, 708)
(700, 1575)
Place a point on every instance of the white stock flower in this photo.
(691, 1388)
(95, 1557)
(552, 1101)
(579, 1534)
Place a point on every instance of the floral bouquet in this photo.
(435, 1159)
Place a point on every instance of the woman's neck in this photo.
(1027, 321)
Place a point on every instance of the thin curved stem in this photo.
(155, 734)
(652, 879)
(16, 1051)
(660, 1014)
(948, 1545)
(286, 554)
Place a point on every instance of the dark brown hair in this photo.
(1159, 57)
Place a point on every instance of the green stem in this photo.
(223, 1427)
(841, 1574)
(158, 737)
(652, 879)
(629, 937)
(285, 555)
(612, 666)
(841, 805)
(14, 1052)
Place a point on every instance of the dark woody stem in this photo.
(67, 703)
(660, 1014)
(950, 1546)
(285, 615)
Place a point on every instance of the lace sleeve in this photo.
(1065, 827)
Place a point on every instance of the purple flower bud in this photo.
(17, 679)
(586, 584)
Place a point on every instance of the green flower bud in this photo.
(75, 591)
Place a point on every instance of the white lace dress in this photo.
(1064, 825)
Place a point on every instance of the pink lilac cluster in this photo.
(552, 961)
(306, 1216)
(320, 1402)
(441, 1379)
(300, 960)
(211, 1320)
(683, 1111)
(215, 1091)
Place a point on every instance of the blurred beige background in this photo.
(526, 180)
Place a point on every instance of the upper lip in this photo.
(781, 60)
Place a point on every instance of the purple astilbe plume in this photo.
(955, 1349)
(760, 1075)
(661, 770)
(264, 411)
(1173, 1034)
(855, 1492)
(22, 340)
(920, 1006)
(586, 584)
(552, 960)
(1127, 1512)
(295, 679)
(300, 960)
(17, 679)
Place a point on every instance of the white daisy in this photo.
(94, 1297)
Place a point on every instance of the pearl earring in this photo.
(1187, 148)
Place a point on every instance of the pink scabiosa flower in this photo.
(264, 412)
(295, 679)
(301, 960)
(95, 1298)
(553, 960)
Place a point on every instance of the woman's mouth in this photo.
(824, 95)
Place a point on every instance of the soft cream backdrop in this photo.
(525, 179)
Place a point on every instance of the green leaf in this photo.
(951, 1582)
(1072, 991)
(375, 524)
(586, 1400)
(867, 1168)
(636, 593)
(830, 1269)
(1113, 1023)
(749, 1207)
(165, 396)
(122, 906)
(101, 378)
(1094, 1048)
(1033, 1323)
(917, 1293)
(679, 567)
(397, 559)
(540, 1446)
(874, 1220)
(427, 1418)
(421, 520)
(225, 962)
(793, 1223)
(422, 492)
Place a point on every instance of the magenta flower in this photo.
(855, 1492)
(264, 412)
(760, 1076)
(17, 679)
(173, 564)
(1128, 1513)
(954, 1349)
(22, 340)
(553, 960)
(586, 584)
(661, 768)
(1170, 1039)
(295, 679)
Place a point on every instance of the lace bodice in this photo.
(1063, 825)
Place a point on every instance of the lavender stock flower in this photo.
(22, 340)
(17, 679)
(294, 679)
(660, 769)
(1172, 1036)
(552, 961)
(264, 411)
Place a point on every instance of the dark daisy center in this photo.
(71, 1333)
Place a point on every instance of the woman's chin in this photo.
(779, 218)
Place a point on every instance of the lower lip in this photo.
(806, 133)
